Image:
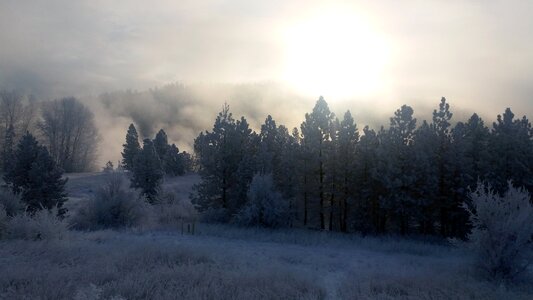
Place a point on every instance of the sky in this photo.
(366, 56)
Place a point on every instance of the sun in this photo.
(335, 55)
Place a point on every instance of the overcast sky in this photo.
(479, 54)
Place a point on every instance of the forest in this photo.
(450, 185)
(329, 174)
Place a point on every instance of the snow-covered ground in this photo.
(226, 262)
(223, 262)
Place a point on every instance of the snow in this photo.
(228, 262)
(294, 263)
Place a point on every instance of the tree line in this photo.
(151, 162)
(64, 126)
(406, 178)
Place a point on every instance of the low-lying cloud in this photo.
(479, 54)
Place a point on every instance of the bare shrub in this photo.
(42, 225)
(114, 206)
(502, 230)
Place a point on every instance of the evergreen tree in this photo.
(286, 173)
(396, 169)
(36, 177)
(332, 176)
(366, 214)
(470, 159)
(147, 171)
(448, 199)
(425, 190)
(511, 152)
(348, 137)
(174, 161)
(246, 143)
(269, 149)
(316, 134)
(131, 148)
(470, 143)
(7, 151)
(161, 146)
(226, 165)
(108, 168)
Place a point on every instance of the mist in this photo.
(173, 65)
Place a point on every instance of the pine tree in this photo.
(36, 177)
(226, 165)
(367, 214)
(347, 140)
(396, 169)
(131, 148)
(425, 190)
(174, 161)
(46, 186)
(108, 168)
(511, 152)
(7, 151)
(161, 146)
(470, 163)
(448, 200)
(332, 176)
(316, 133)
(269, 149)
(147, 171)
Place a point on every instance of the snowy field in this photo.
(226, 262)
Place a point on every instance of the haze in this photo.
(264, 57)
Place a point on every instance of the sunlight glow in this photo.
(335, 55)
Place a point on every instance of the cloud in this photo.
(479, 54)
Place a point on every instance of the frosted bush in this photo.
(114, 205)
(502, 231)
(172, 210)
(265, 206)
(11, 202)
(43, 225)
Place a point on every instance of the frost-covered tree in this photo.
(265, 206)
(131, 148)
(502, 234)
(147, 171)
(36, 177)
(7, 151)
(18, 115)
(69, 132)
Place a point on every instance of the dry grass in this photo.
(103, 265)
